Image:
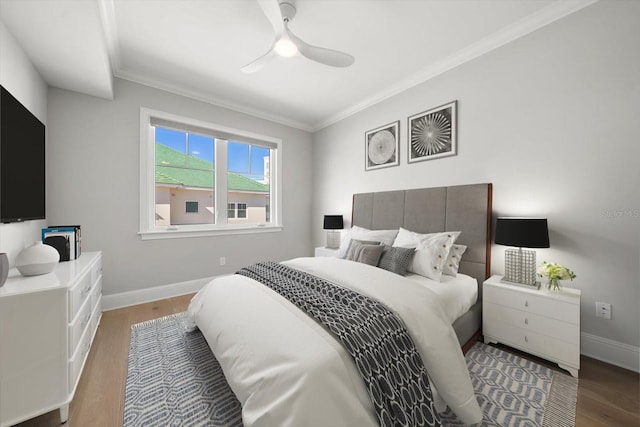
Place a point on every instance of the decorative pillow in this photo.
(451, 265)
(396, 260)
(410, 239)
(354, 246)
(360, 233)
(369, 254)
(431, 254)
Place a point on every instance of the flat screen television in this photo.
(22, 162)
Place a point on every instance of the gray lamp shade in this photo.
(333, 222)
(522, 232)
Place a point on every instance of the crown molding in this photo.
(525, 26)
(178, 90)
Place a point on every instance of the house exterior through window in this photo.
(192, 167)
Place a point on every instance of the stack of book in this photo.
(67, 239)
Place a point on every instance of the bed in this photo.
(287, 369)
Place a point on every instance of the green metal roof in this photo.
(172, 169)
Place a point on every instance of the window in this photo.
(191, 207)
(242, 211)
(188, 167)
(231, 210)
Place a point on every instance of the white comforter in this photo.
(286, 370)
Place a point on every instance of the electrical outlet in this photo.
(603, 309)
(223, 260)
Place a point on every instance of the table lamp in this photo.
(519, 264)
(333, 223)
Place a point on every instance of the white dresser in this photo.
(539, 321)
(47, 325)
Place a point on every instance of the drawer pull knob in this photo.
(526, 321)
(526, 303)
(526, 339)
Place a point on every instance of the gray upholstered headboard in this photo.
(465, 208)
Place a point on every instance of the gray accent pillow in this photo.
(396, 259)
(354, 245)
(369, 254)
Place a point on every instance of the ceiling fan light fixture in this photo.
(286, 48)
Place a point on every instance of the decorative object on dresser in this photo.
(543, 323)
(333, 223)
(554, 273)
(519, 264)
(432, 133)
(47, 325)
(382, 146)
(37, 259)
(4, 268)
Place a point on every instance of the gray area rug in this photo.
(174, 380)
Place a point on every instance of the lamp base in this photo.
(333, 239)
(536, 285)
(520, 266)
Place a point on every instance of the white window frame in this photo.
(148, 229)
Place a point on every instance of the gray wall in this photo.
(94, 181)
(551, 120)
(20, 77)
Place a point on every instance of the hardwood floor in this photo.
(607, 395)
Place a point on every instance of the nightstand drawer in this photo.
(531, 322)
(534, 343)
(536, 304)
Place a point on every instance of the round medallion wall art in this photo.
(381, 147)
(432, 134)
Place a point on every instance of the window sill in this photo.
(178, 232)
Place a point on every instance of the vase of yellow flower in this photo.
(554, 273)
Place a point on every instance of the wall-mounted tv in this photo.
(22, 162)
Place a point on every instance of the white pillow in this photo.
(431, 254)
(451, 265)
(410, 239)
(360, 233)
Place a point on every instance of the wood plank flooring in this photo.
(607, 395)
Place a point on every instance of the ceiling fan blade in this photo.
(333, 58)
(257, 64)
(271, 9)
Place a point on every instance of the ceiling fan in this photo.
(286, 44)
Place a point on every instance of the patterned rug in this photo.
(174, 380)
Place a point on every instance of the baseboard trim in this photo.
(610, 351)
(141, 296)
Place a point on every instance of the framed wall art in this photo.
(381, 146)
(432, 134)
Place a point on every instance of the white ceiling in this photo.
(197, 47)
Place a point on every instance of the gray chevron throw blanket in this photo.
(376, 338)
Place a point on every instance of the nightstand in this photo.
(328, 252)
(538, 321)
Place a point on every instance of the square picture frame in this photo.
(382, 146)
(432, 134)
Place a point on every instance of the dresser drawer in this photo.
(78, 294)
(536, 304)
(534, 343)
(77, 361)
(78, 326)
(81, 290)
(531, 322)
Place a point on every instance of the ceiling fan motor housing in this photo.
(288, 9)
